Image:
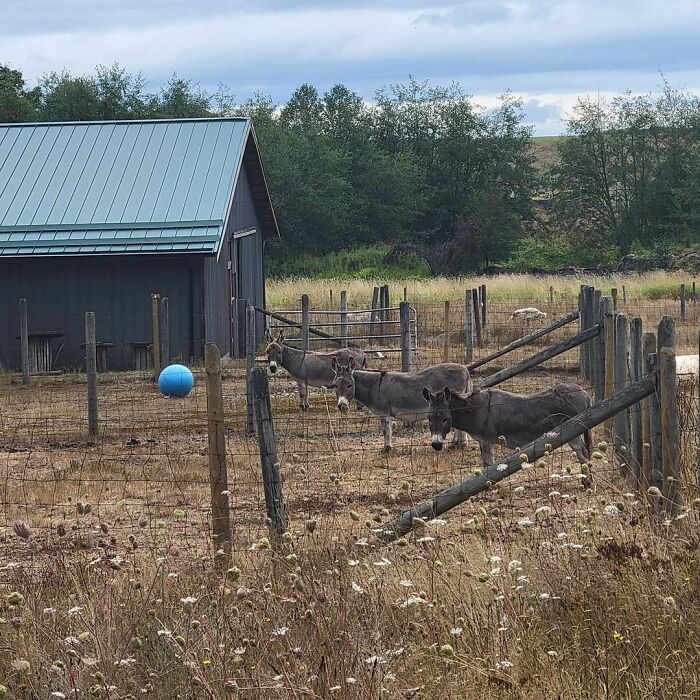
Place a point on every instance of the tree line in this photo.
(422, 178)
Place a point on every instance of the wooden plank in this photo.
(343, 319)
(648, 349)
(609, 335)
(540, 357)
(218, 473)
(602, 305)
(525, 340)
(636, 373)
(446, 334)
(666, 334)
(477, 319)
(613, 294)
(475, 484)
(405, 318)
(655, 430)
(305, 322)
(249, 367)
(671, 465)
(682, 298)
(267, 442)
(24, 340)
(469, 327)
(91, 367)
(484, 307)
(155, 330)
(621, 421)
(373, 314)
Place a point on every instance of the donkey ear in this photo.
(351, 363)
(448, 394)
(268, 335)
(426, 394)
(280, 337)
(334, 365)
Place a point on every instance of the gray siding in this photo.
(60, 290)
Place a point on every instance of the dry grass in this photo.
(502, 288)
(538, 588)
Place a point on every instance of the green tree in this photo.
(17, 104)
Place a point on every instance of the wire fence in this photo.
(143, 481)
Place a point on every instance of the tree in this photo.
(17, 104)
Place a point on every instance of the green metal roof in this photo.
(118, 187)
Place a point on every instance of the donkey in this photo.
(396, 394)
(306, 367)
(490, 414)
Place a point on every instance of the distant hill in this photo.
(546, 154)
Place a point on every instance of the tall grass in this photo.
(507, 287)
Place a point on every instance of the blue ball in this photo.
(176, 380)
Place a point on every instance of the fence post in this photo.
(91, 367)
(305, 322)
(269, 463)
(636, 367)
(383, 305)
(693, 295)
(24, 340)
(666, 335)
(609, 340)
(697, 431)
(164, 332)
(655, 430)
(446, 334)
(373, 314)
(551, 295)
(624, 295)
(648, 349)
(484, 307)
(477, 318)
(669, 424)
(155, 329)
(330, 294)
(343, 319)
(600, 307)
(613, 294)
(682, 295)
(218, 475)
(469, 328)
(405, 319)
(621, 420)
(249, 367)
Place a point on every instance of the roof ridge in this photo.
(169, 120)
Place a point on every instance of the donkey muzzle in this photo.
(273, 367)
(436, 443)
(343, 405)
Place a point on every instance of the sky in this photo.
(548, 52)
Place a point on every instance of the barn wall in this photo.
(251, 281)
(60, 290)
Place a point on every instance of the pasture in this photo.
(536, 588)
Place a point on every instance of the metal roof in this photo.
(118, 187)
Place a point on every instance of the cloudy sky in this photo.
(546, 51)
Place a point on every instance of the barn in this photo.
(98, 216)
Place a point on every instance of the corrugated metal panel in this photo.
(93, 176)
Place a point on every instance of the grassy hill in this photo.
(546, 154)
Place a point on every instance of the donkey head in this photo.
(439, 416)
(344, 382)
(274, 350)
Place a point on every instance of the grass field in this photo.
(506, 288)
(541, 587)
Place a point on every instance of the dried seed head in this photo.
(233, 573)
(143, 520)
(61, 530)
(310, 525)
(355, 515)
(22, 529)
(15, 598)
(104, 527)
(603, 446)
(447, 651)
(654, 492)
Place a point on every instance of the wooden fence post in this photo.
(305, 322)
(383, 306)
(343, 319)
(624, 295)
(330, 294)
(24, 340)
(218, 474)
(91, 368)
(269, 463)
(666, 335)
(583, 324)
(636, 371)
(446, 334)
(551, 295)
(155, 329)
(655, 430)
(164, 332)
(671, 469)
(373, 315)
(693, 294)
(249, 367)
(613, 294)
(469, 327)
(602, 306)
(648, 349)
(682, 296)
(609, 335)
(621, 420)
(477, 318)
(405, 319)
(484, 307)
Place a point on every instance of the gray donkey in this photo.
(488, 414)
(308, 368)
(396, 394)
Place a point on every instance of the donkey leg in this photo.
(459, 439)
(486, 452)
(579, 447)
(386, 429)
(303, 395)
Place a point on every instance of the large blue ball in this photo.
(176, 380)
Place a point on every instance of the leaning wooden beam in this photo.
(525, 340)
(540, 357)
(312, 330)
(459, 493)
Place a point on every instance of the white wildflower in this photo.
(525, 522)
(405, 582)
(75, 611)
(49, 611)
(382, 562)
(552, 653)
(189, 601)
(165, 633)
(280, 631)
(494, 559)
(353, 562)
(413, 600)
(357, 587)
(505, 664)
(611, 510)
(421, 540)
(543, 510)
(515, 565)
(518, 489)
(456, 631)
(437, 521)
